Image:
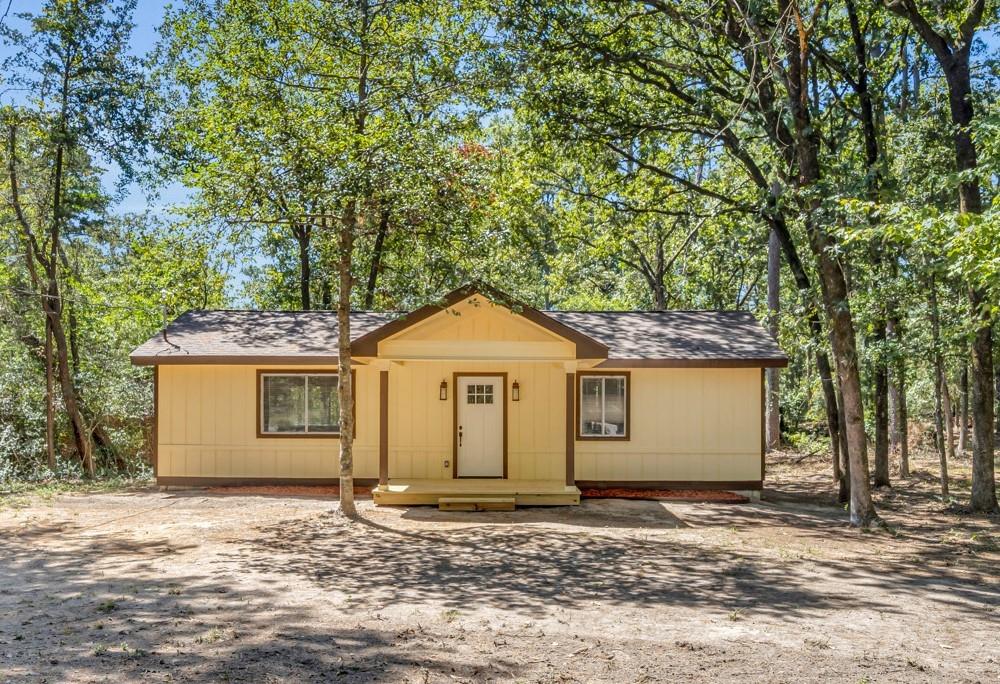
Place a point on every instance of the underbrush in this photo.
(26, 479)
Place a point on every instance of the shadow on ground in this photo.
(102, 608)
(93, 599)
(530, 568)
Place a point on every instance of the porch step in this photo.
(427, 492)
(449, 503)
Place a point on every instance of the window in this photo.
(479, 394)
(299, 404)
(603, 406)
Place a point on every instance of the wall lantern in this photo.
(515, 392)
(443, 392)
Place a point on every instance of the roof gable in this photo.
(476, 317)
(478, 303)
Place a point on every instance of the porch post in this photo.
(570, 429)
(383, 427)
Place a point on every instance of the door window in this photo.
(479, 394)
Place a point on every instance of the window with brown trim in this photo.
(603, 406)
(299, 404)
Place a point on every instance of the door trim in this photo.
(454, 422)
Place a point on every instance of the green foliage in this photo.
(284, 114)
(578, 155)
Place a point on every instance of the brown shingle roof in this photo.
(682, 337)
(249, 336)
(679, 338)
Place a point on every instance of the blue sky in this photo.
(147, 18)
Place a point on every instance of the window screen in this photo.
(603, 405)
(299, 403)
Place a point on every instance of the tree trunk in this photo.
(50, 417)
(939, 435)
(845, 352)
(345, 391)
(779, 227)
(939, 385)
(953, 58)
(326, 298)
(904, 426)
(345, 262)
(996, 388)
(303, 236)
(74, 347)
(963, 416)
(773, 440)
(81, 433)
(869, 132)
(904, 75)
(844, 483)
(833, 279)
(897, 398)
(949, 413)
(893, 413)
(48, 288)
(837, 442)
(659, 276)
(984, 493)
(377, 252)
(881, 478)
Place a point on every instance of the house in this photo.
(474, 395)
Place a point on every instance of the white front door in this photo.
(480, 425)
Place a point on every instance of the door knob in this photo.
(459, 435)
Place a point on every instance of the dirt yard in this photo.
(196, 586)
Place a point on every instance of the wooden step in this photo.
(423, 492)
(451, 503)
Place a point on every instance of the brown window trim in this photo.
(302, 435)
(580, 437)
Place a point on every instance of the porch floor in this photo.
(407, 492)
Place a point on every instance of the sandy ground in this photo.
(196, 586)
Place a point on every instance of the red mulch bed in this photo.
(333, 491)
(715, 495)
(288, 490)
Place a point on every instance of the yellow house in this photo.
(475, 395)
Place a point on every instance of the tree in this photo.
(952, 46)
(773, 419)
(753, 63)
(372, 89)
(80, 87)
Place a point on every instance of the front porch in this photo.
(407, 492)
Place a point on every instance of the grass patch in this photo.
(976, 542)
(107, 606)
(211, 636)
(22, 493)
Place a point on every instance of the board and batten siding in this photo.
(688, 424)
(207, 427)
(421, 426)
(490, 331)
